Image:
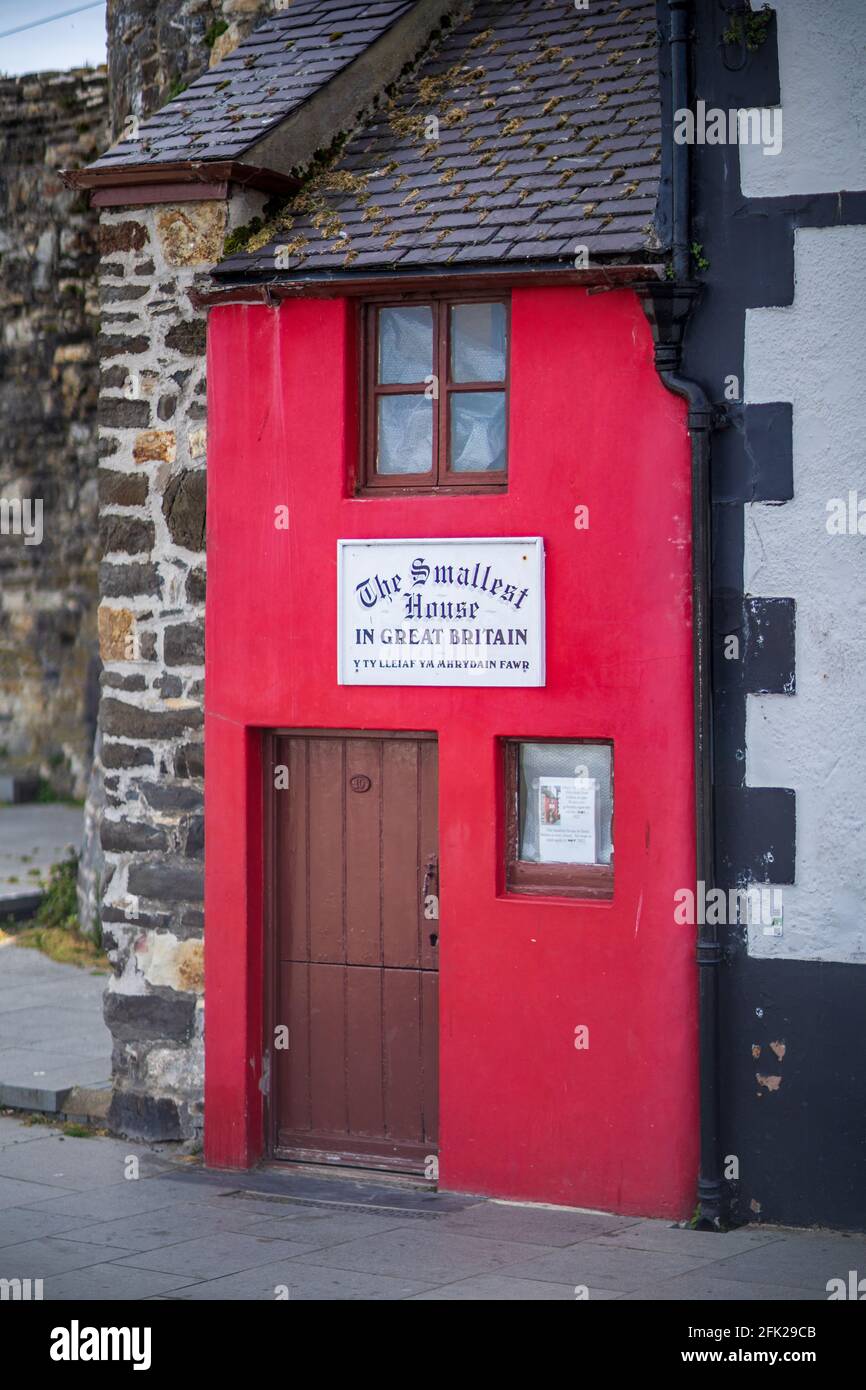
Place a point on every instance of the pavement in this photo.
(52, 1034)
(32, 838)
(106, 1219)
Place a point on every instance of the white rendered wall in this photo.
(822, 66)
(813, 354)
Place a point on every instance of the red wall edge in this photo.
(523, 1113)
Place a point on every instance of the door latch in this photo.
(430, 890)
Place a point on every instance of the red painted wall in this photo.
(523, 1113)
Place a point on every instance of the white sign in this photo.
(441, 612)
(567, 815)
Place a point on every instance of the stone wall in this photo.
(48, 399)
(152, 448)
(155, 48)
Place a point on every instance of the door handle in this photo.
(430, 891)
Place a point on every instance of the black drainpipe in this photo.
(668, 306)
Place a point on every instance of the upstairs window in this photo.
(436, 395)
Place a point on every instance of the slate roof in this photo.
(549, 138)
(271, 73)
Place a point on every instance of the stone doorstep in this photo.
(71, 1104)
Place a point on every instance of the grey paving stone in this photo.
(500, 1288)
(21, 969)
(121, 1199)
(37, 1079)
(36, 1259)
(802, 1261)
(422, 1252)
(305, 1283)
(46, 833)
(702, 1285)
(58, 1026)
(17, 1224)
(15, 1193)
(535, 1225)
(72, 1163)
(659, 1235)
(599, 1266)
(14, 1130)
(215, 1255)
(183, 1221)
(52, 1032)
(108, 1282)
(319, 1229)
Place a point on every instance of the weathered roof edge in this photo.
(295, 139)
(182, 171)
(271, 292)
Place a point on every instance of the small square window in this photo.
(436, 405)
(559, 818)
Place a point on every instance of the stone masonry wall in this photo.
(152, 445)
(48, 396)
(157, 46)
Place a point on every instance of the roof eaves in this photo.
(183, 171)
(267, 289)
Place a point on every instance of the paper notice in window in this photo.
(567, 808)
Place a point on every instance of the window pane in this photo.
(477, 431)
(405, 344)
(478, 342)
(405, 437)
(565, 803)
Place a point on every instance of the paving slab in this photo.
(16, 1193)
(183, 1221)
(52, 1034)
(19, 1224)
(304, 1283)
(502, 1288)
(32, 838)
(36, 1259)
(85, 1163)
(226, 1252)
(17, 1129)
(124, 1199)
(681, 1240)
(319, 1229)
(108, 1283)
(703, 1286)
(805, 1261)
(599, 1266)
(423, 1252)
(535, 1225)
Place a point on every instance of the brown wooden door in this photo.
(354, 949)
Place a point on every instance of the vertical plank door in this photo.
(353, 952)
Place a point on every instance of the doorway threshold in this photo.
(308, 1184)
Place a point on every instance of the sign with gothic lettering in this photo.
(441, 612)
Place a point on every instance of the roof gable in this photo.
(230, 110)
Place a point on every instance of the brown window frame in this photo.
(440, 480)
(523, 876)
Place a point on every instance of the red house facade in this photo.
(565, 1038)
